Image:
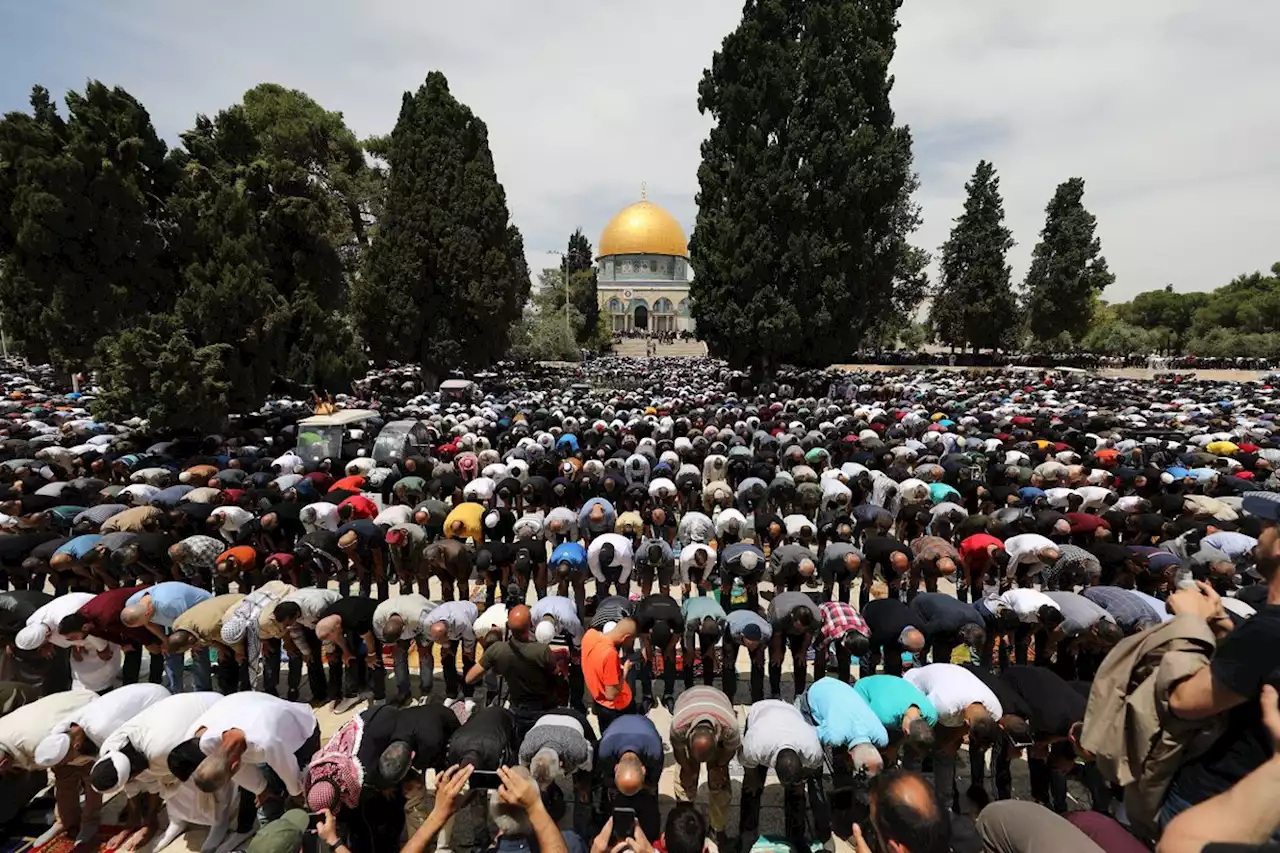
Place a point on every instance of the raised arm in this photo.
(1244, 814)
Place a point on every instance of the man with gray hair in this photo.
(397, 621)
(562, 743)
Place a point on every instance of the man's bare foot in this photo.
(138, 839)
(118, 839)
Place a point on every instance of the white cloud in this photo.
(1163, 106)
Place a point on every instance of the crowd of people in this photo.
(856, 597)
(1079, 359)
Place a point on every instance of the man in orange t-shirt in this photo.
(605, 676)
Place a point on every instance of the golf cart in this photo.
(459, 391)
(400, 439)
(324, 436)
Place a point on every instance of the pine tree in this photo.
(804, 207)
(446, 275)
(975, 304)
(1068, 271)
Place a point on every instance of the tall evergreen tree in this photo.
(446, 275)
(975, 304)
(584, 287)
(1068, 271)
(83, 225)
(804, 203)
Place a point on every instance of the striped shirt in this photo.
(611, 609)
(100, 513)
(1129, 611)
(563, 734)
(705, 704)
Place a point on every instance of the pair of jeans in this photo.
(201, 671)
(400, 657)
(307, 644)
(271, 668)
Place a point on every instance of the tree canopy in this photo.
(197, 278)
(83, 225)
(446, 275)
(1238, 319)
(804, 202)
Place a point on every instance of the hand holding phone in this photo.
(624, 822)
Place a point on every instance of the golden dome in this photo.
(643, 228)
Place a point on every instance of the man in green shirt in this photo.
(905, 711)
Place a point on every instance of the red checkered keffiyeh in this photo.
(839, 619)
(335, 769)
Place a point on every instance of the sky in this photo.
(1166, 108)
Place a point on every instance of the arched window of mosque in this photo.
(663, 306)
(616, 306)
(653, 266)
(685, 307)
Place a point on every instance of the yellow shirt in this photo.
(469, 514)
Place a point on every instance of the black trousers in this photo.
(133, 668)
(706, 653)
(454, 684)
(796, 813)
(844, 661)
(729, 677)
(607, 715)
(347, 681)
(799, 661)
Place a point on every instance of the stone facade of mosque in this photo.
(643, 271)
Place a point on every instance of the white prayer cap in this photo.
(545, 632)
(53, 749)
(120, 762)
(31, 637)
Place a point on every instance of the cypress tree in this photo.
(1068, 271)
(446, 275)
(804, 207)
(975, 304)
